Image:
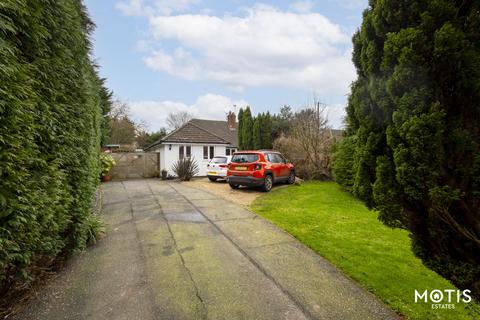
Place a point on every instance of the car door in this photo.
(280, 166)
(273, 165)
(277, 163)
(285, 167)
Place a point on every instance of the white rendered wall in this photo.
(169, 155)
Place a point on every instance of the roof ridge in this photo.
(209, 131)
(209, 120)
(167, 135)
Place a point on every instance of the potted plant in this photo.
(164, 174)
(107, 163)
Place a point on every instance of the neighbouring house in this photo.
(198, 139)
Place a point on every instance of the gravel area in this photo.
(243, 196)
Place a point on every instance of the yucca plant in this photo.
(185, 168)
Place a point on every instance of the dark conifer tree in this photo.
(240, 129)
(266, 131)
(412, 149)
(247, 129)
(257, 132)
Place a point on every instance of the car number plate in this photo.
(241, 168)
(212, 173)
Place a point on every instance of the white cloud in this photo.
(153, 7)
(179, 63)
(302, 6)
(208, 106)
(131, 7)
(266, 46)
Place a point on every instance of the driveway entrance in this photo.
(175, 252)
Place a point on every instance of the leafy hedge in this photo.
(50, 118)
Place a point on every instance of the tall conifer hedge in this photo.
(50, 118)
(413, 128)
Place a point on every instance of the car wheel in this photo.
(291, 177)
(233, 186)
(267, 183)
(212, 179)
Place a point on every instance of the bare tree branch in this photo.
(178, 119)
(309, 141)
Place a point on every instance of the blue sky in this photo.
(205, 56)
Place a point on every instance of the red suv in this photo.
(259, 168)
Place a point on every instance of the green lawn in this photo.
(341, 229)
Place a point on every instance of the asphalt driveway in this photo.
(176, 252)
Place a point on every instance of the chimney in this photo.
(232, 121)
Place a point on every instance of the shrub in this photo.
(342, 166)
(107, 162)
(185, 168)
(50, 116)
(308, 144)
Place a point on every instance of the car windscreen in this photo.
(244, 157)
(219, 160)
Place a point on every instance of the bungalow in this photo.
(197, 139)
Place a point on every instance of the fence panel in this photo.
(131, 165)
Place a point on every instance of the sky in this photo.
(209, 57)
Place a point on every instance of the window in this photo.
(208, 152)
(212, 152)
(219, 160)
(229, 151)
(245, 157)
(279, 158)
(205, 152)
(274, 158)
(181, 153)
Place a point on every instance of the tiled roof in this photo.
(201, 131)
(218, 128)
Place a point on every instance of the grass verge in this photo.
(340, 228)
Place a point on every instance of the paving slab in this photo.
(176, 207)
(222, 211)
(217, 214)
(316, 284)
(173, 293)
(200, 195)
(253, 232)
(210, 203)
(231, 287)
(186, 217)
